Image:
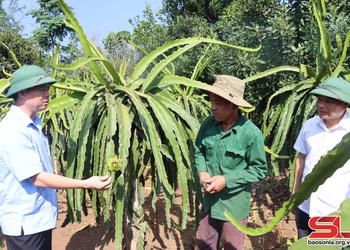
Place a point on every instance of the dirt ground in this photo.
(267, 199)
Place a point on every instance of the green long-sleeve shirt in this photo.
(239, 155)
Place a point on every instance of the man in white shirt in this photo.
(28, 202)
(317, 136)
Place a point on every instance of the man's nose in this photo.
(47, 93)
(320, 103)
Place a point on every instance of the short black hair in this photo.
(14, 96)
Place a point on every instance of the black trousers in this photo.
(38, 241)
(302, 221)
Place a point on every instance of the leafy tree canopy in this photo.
(7, 17)
(52, 27)
(210, 10)
(286, 31)
(13, 42)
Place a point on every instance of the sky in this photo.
(97, 17)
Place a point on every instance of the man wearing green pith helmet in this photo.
(317, 136)
(28, 202)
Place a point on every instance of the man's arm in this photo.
(55, 181)
(255, 170)
(256, 165)
(298, 171)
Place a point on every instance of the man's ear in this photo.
(21, 93)
(234, 106)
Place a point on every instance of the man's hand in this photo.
(216, 184)
(49, 180)
(203, 176)
(99, 182)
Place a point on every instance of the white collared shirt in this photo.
(24, 152)
(315, 140)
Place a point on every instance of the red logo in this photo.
(327, 227)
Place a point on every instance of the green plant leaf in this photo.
(325, 168)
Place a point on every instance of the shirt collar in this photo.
(23, 117)
(239, 122)
(344, 122)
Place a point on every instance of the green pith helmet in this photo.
(28, 76)
(336, 88)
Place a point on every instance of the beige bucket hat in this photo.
(230, 88)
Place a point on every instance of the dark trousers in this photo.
(211, 231)
(38, 241)
(302, 221)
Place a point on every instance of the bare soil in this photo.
(268, 197)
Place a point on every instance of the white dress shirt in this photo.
(315, 140)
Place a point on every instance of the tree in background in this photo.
(45, 39)
(116, 45)
(209, 10)
(52, 27)
(149, 33)
(7, 17)
(11, 41)
(120, 52)
(286, 31)
(126, 112)
(158, 29)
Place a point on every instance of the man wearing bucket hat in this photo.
(28, 202)
(229, 157)
(317, 136)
